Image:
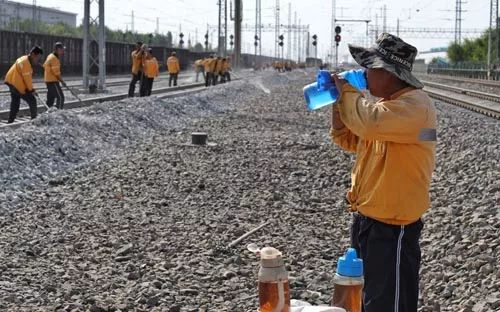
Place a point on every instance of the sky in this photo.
(192, 16)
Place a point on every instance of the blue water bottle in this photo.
(348, 282)
(323, 92)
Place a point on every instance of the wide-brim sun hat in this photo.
(390, 53)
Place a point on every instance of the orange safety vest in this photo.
(20, 75)
(52, 68)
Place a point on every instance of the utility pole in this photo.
(33, 19)
(295, 37)
(397, 31)
(498, 34)
(289, 40)
(332, 32)
(91, 63)
(458, 21)
(132, 26)
(260, 27)
(299, 43)
(385, 18)
(157, 25)
(219, 30)
(237, 32)
(225, 28)
(277, 29)
(256, 34)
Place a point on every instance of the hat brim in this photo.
(369, 58)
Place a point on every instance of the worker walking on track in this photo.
(395, 143)
(151, 71)
(52, 76)
(19, 79)
(137, 72)
(173, 68)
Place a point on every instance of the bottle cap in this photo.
(350, 265)
(270, 257)
(324, 80)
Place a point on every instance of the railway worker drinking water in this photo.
(395, 142)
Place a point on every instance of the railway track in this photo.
(23, 116)
(480, 102)
(123, 82)
(489, 83)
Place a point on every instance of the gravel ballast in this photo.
(112, 208)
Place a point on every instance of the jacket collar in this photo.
(401, 92)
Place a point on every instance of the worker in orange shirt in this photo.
(207, 63)
(151, 71)
(137, 60)
(52, 76)
(394, 140)
(19, 79)
(173, 68)
(226, 68)
(218, 70)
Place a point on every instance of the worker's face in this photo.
(378, 80)
(36, 58)
(60, 51)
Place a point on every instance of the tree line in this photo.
(62, 29)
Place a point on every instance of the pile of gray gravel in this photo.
(111, 209)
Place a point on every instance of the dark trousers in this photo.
(228, 76)
(55, 93)
(149, 85)
(391, 263)
(215, 78)
(135, 79)
(174, 78)
(144, 87)
(16, 102)
(208, 79)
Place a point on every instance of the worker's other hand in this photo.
(339, 82)
(64, 84)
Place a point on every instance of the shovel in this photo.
(72, 92)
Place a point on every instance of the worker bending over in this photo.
(173, 68)
(199, 68)
(52, 76)
(19, 79)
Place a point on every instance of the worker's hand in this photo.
(339, 82)
(337, 123)
(64, 84)
(34, 92)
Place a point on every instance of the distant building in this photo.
(11, 12)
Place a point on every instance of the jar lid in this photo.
(270, 257)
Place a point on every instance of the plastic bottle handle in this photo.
(281, 297)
